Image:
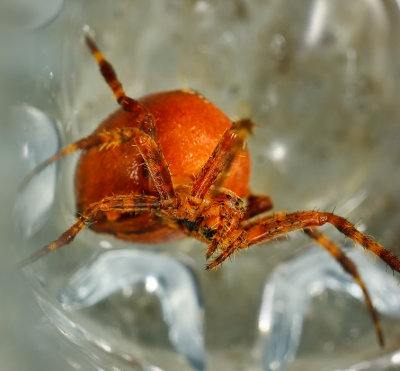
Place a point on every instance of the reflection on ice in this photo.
(287, 294)
(168, 279)
(39, 141)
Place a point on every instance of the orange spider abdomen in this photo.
(188, 128)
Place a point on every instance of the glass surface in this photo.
(320, 79)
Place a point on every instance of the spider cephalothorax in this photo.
(172, 164)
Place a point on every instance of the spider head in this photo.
(222, 214)
(233, 202)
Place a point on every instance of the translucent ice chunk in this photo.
(169, 280)
(288, 292)
(39, 140)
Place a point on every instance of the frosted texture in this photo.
(289, 291)
(169, 280)
(321, 80)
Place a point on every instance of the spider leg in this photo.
(103, 139)
(152, 156)
(246, 123)
(220, 160)
(256, 205)
(270, 227)
(124, 203)
(351, 269)
(126, 103)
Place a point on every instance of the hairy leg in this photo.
(221, 159)
(273, 226)
(351, 269)
(126, 103)
(256, 205)
(124, 203)
(247, 125)
(151, 154)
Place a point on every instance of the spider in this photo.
(124, 185)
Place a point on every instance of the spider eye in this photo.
(239, 203)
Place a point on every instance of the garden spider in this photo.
(153, 204)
